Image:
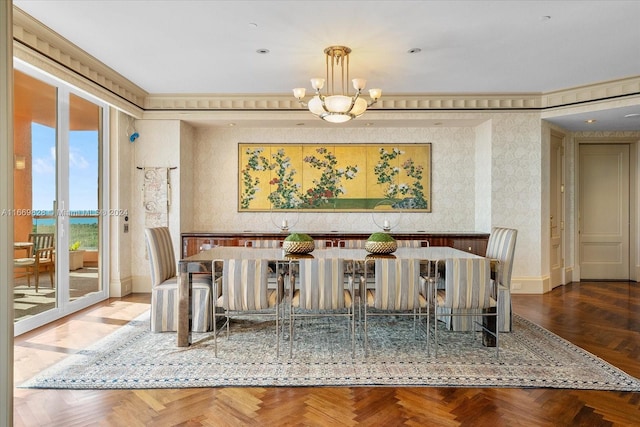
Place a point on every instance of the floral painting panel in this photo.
(341, 177)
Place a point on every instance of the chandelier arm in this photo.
(354, 98)
(322, 97)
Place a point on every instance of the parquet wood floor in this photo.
(601, 317)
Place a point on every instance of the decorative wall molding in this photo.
(594, 92)
(584, 95)
(30, 34)
(389, 102)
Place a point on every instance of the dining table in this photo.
(204, 263)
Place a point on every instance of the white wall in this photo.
(483, 176)
(157, 146)
(121, 164)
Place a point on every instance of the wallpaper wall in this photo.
(482, 176)
(452, 179)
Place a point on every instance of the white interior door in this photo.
(556, 252)
(604, 211)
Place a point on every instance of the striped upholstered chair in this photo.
(245, 288)
(164, 287)
(500, 250)
(397, 291)
(321, 289)
(501, 247)
(468, 292)
(411, 243)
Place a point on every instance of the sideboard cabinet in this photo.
(194, 242)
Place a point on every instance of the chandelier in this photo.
(332, 106)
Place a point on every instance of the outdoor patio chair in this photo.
(41, 257)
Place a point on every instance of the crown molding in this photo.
(32, 34)
(389, 102)
(592, 93)
(31, 37)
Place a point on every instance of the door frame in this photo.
(634, 264)
(562, 223)
(64, 305)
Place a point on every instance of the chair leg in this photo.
(366, 336)
(353, 333)
(28, 272)
(497, 340)
(291, 320)
(435, 329)
(428, 328)
(277, 330)
(215, 332)
(415, 333)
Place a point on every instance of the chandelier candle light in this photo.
(337, 107)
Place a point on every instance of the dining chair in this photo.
(351, 244)
(411, 243)
(322, 288)
(264, 243)
(164, 287)
(40, 257)
(244, 289)
(501, 247)
(468, 292)
(396, 290)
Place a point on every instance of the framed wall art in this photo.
(339, 177)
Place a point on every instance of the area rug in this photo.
(135, 358)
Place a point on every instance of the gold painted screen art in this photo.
(341, 177)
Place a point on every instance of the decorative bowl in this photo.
(294, 256)
(294, 247)
(380, 247)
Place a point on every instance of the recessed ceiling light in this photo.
(299, 124)
(545, 18)
(231, 125)
(262, 51)
(253, 25)
(628, 116)
(437, 123)
(590, 121)
(414, 50)
(368, 124)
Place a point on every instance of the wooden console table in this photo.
(472, 242)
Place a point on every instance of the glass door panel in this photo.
(35, 220)
(58, 192)
(84, 199)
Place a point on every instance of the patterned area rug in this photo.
(133, 357)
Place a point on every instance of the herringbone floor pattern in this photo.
(601, 317)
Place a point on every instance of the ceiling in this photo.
(466, 47)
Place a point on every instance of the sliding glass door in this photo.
(34, 193)
(59, 199)
(84, 219)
